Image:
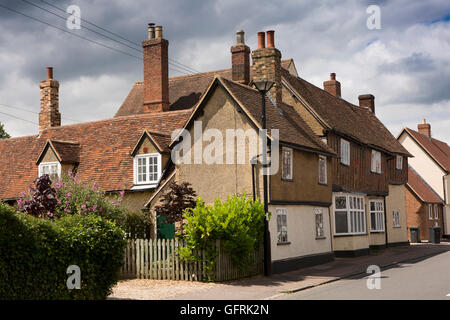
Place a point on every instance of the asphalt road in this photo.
(421, 279)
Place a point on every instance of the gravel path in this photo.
(146, 289)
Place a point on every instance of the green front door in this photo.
(165, 230)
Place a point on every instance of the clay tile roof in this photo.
(104, 150)
(67, 152)
(438, 150)
(184, 91)
(292, 128)
(421, 188)
(344, 117)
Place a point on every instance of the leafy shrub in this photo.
(42, 201)
(35, 254)
(237, 222)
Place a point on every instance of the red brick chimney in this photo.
(332, 86)
(156, 70)
(240, 59)
(267, 63)
(424, 128)
(49, 115)
(367, 101)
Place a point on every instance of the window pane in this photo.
(341, 222)
(341, 203)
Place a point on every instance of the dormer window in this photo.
(51, 168)
(147, 169)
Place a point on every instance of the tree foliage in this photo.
(3, 133)
(178, 198)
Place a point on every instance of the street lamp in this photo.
(264, 86)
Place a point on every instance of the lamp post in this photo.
(264, 86)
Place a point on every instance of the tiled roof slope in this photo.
(439, 150)
(67, 152)
(184, 91)
(292, 128)
(344, 117)
(105, 148)
(420, 188)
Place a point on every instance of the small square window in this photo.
(147, 168)
(345, 152)
(282, 231)
(286, 169)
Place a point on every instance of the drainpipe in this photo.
(385, 222)
(253, 182)
(444, 207)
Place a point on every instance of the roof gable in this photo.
(65, 151)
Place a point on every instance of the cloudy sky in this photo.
(405, 64)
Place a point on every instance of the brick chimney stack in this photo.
(156, 70)
(424, 128)
(267, 63)
(332, 86)
(49, 115)
(367, 101)
(240, 59)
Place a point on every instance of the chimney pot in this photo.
(240, 60)
(158, 32)
(261, 40)
(271, 39)
(49, 73)
(151, 31)
(332, 76)
(424, 128)
(240, 37)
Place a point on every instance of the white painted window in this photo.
(436, 211)
(349, 214)
(320, 232)
(51, 168)
(286, 169)
(322, 170)
(376, 161)
(376, 215)
(396, 218)
(147, 169)
(399, 163)
(282, 231)
(345, 152)
(430, 211)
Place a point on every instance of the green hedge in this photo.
(35, 254)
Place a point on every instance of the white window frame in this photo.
(396, 219)
(282, 212)
(379, 215)
(150, 183)
(323, 160)
(285, 175)
(430, 211)
(320, 228)
(356, 214)
(345, 152)
(399, 163)
(50, 164)
(436, 212)
(376, 162)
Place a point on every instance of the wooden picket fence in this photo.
(158, 259)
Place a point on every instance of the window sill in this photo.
(344, 164)
(376, 231)
(349, 235)
(287, 180)
(320, 238)
(323, 184)
(396, 227)
(375, 172)
(144, 186)
(283, 243)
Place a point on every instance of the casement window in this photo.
(322, 170)
(349, 214)
(399, 163)
(430, 211)
(320, 232)
(345, 152)
(376, 161)
(147, 169)
(282, 230)
(51, 168)
(396, 218)
(376, 215)
(436, 211)
(286, 169)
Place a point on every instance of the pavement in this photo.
(279, 285)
